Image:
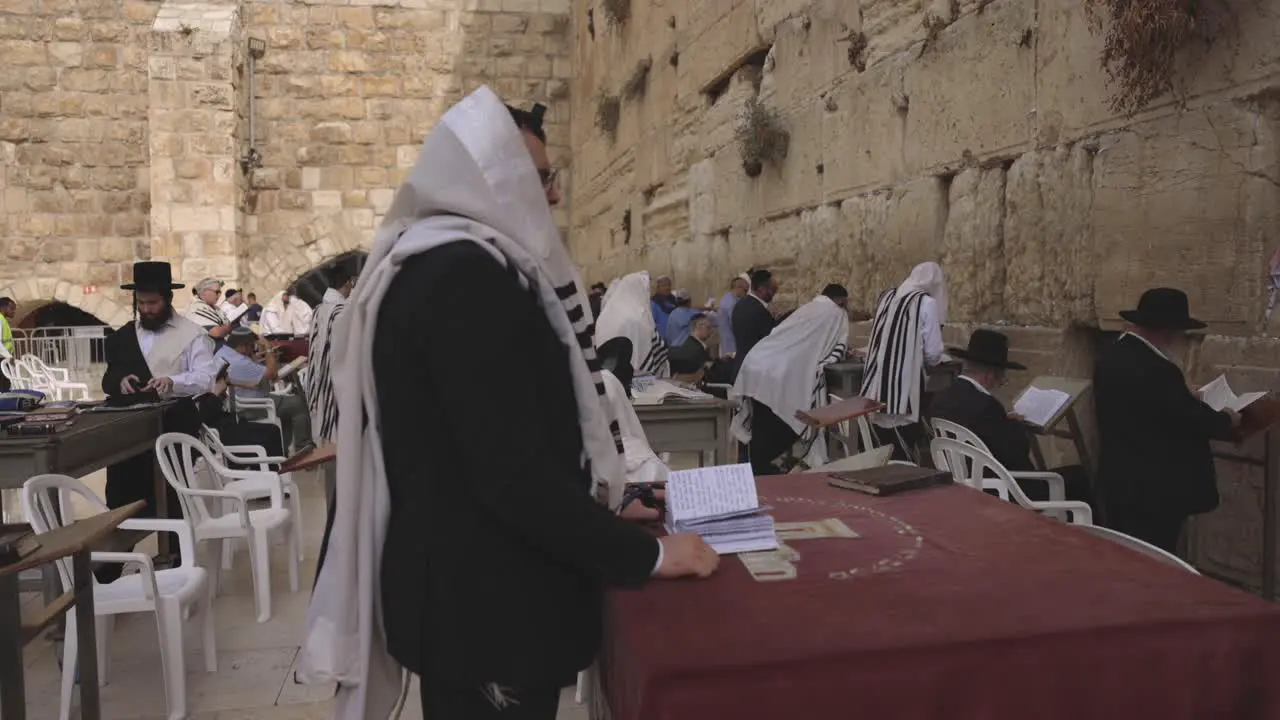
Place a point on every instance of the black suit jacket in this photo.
(496, 555)
(964, 404)
(1153, 433)
(690, 357)
(124, 358)
(751, 322)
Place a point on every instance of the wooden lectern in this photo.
(1076, 388)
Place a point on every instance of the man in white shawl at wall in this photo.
(468, 546)
(906, 337)
(286, 314)
(786, 372)
(627, 313)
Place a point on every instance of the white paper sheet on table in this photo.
(721, 505)
(1038, 406)
(654, 392)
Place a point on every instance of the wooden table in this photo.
(95, 440)
(700, 426)
(76, 541)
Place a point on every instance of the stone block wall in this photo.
(973, 132)
(123, 123)
(74, 183)
(348, 90)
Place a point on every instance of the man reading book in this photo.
(969, 402)
(1155, 466)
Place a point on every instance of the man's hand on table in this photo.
(686, 555)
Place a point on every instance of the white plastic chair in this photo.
(255, 489)
(14, 373)
(1141, 546)
(180, 590)
(179, 456)
(969, 465)
(947, 429)
(57, 379)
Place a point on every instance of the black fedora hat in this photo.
(1163, 309)
(988, 347)
(151, 276)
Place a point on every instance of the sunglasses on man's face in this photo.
(548, 176)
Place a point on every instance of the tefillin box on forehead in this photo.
(531, 119)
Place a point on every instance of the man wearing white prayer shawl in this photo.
(906, 337)
(467, 545)
(286, 314)
(627, 312)
(786, 372)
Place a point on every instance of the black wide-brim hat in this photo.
(988, 347)
(1163, 309)
(151, 276)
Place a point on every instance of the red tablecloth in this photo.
(951, 604)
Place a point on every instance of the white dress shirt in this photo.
(197, 358)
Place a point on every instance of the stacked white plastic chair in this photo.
(955, 431)
(56, 380)
(171, 594)
(180, 457)
(255, 489)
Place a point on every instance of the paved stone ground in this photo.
(255, 661)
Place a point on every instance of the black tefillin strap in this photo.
(644, 494)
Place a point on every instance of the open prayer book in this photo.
(720, 504)
(647, 390)
(1219, 396)
(1039, 406)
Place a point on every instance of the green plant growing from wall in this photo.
(608, 113)
(1142, 40)
(638, 83)
(761, 137)
(617, 12)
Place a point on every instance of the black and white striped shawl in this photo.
(657, 361)
(894, 372)
(206, 315)
(321, 400)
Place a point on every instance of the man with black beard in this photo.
(160, 352)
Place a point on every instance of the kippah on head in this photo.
(530, 120)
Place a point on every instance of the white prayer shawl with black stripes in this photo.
(321, 400)
(473, 182)
(787, 372)
(894, 372)
(205, 315)
(627, 312)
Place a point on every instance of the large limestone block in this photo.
(863, 133)
(973, 90)
(795, 181)
(736, 198)
(974, 240)
(915, 218)
(807, 56)
(1048, 238)
(1190, 201)
(707, 54)
(892, 26)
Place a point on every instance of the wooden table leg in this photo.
(86, 637)
(13, 698)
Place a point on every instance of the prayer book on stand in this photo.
(1039, 406)
(838, 412)
(721, 505)
(889, 479)
(1219, 396)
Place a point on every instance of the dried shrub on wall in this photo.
(618, 12)
(608, 113)
(1143, 39)
(638, 83)
(761, 137)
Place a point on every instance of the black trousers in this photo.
(770, 437)
(1157, 526)
(911, 435)
(453, 700)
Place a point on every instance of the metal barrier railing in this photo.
(80, 350)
